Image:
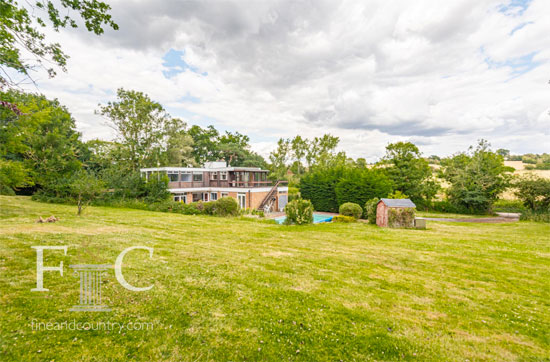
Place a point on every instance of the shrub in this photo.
(209, 207)
(299, 212)
(343, 219)
(226, 206)
(534, 192)
(370, 210)
(398, 217)
(448, 207)
(508, 206)
(540, 216)
(351, 209)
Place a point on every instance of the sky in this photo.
(439, 74)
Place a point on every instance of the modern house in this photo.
(248, 185)
(385, 207)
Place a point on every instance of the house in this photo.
(248, 185)
(395, 213)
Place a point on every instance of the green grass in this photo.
(247, 290)
(449, 215)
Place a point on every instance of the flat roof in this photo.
(202, 169)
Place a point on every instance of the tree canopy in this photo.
(410, 173)
(477, 177)
(24, 48)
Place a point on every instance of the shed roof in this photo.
(398, 202)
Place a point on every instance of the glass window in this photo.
(213, 196)
(173, 176)
(197, 177)
(223, 175)
(225, 194)
(213, 175)
(180, 198)
(186, 176)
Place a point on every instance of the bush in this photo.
(226, 206)
(299, 212)
(209, 207)
(343, 219)
(447, 207)
(351, 209)
(534, 192)
(508, 206)
(370, 210)
(539, 216)
(398, 217)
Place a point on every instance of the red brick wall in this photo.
(381, 215)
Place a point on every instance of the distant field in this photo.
(247, 290)
(520, 169)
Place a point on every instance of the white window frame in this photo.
(223, 175)
(186, 173)
(242, 204)
(213, 196)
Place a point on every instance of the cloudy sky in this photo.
(441, 74)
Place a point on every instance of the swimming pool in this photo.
(317, 218)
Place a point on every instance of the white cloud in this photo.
(369, 72)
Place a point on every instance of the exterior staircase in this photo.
(270, 198)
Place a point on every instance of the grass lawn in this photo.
(237, 289)
(449, 215)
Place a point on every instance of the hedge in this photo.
(329, 188)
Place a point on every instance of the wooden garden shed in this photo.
(383, 210)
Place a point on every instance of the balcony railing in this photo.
(218, 183)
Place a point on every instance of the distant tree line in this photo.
(42, 153)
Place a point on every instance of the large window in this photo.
(186, 176)
(180, 198)
(172, 176)
(197, 177)
(213, 196)
(241, 198)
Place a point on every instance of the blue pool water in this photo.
(317, 218)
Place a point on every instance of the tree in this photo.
(299, 148)
(279, 158)
(179, 145)
(84, 188)
(43, 139)
(144, 129)
(477, 177)
(534, 192)
(13, 175)
(19, 37)
(205, 141)
(321, 151)
(410, 173)
(503, 152)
